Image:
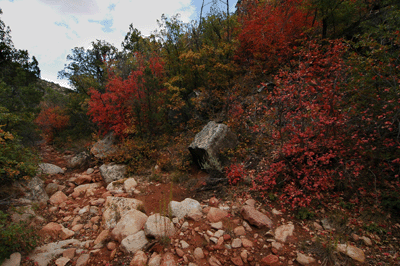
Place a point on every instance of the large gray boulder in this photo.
(183, 208)
(112, 172)
(159, 226)
(79, 160)
(50, 169)
(209, 143)
(35, 190)
(104, 147)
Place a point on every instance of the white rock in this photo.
(284, 231)
(133, 243)
(159, 226)
(181, 209)
(131, 223)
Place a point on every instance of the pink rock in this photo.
(237, 261)
(213, 261)
(216, 215)
(101, 237)
(270, 260)
(77, 227)
(69, 253)
(179, 252)
(247, 243)
(51, 229)
(239, 231)
(198, 253)
(255, 217)
(58, 198)
(111, 246)
(168, 260)
(82, 260)
(213, 202)
(140, 259)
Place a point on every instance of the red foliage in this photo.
(235, 173)
(51, 120)
(269, 31)
(309, 135)
(127, 105)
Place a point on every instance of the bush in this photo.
(16, 161)
(15, 237)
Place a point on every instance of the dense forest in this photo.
(311, 88)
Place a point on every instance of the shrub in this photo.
(15, 237)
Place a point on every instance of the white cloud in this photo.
(49, 29)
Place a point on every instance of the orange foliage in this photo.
(52, 120)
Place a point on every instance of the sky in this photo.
(50, 29)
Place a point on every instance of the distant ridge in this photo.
(54, 86)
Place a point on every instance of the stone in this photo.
(34, 190)
(44, 254)
(104, 147)
(130, 223)
(51, 188)
(317, 226)
(352, 251)
(239, 231)
(236, 243)
(139, 259)
(237, 261)
(112, 172)
(14, 260)
(244, 255)
(82, 189)
(133, 243)
(255, 217)
(69, 253)
(215, 215)
(209, 143)
(213, 202)
(246, 243)
(213, 261)
(51, 229)
(82, 260)
(181, 209)
(250, 202)
(184, 244)
(116, 187)
(66, 233)
(79, 160)
(168, 260)
(278, 246)
(77, 227)
(304, 260)
(217, 225)
(179, 252)
(247, 226)
(117, 207)
(326, 224)
(367, 240)
(50, 169)
(58, 198)
(283, 232)
(159, 226)
(270, 260)
(129, 185)
(100, 239)
(83, 179)
(198, 253)
(155, 260)
(22, 214)
(62, 261)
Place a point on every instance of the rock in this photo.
(22, 214)
(237, 261)
(239, 231)
(82, 260)
(44, 254)
(51, 188)
(168, 260)
(58, 198)
(52, 230)
(90, 171)
(159, 226)
(101, 238)
(50, 169)
(236, 243)
(198, 253)
(317, 226)
(270, 260)
(367, 240)
(184, 244)
(213, 261)
(34, 190)
(66, 233)
(14, 260)
(62, 261)
(250, 202)
(352, 251)
(139, 259)
(246, 243)
(255, 217)
(133, 243)
(131, 223)
(83, 189)
(213, 202)
(326, 224)
(303, 259)
(129, 185)
(179, 252)
(112, 172)
(215, 215)
(116, 186)
(117, 207)
(181, 209)
(79, 160)
(104, 147)
(69, 253)
(111, 246)
(83, 179)
(278, 246)
(209, 143)
(155, 259)
(244, 255)
(283, 231)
